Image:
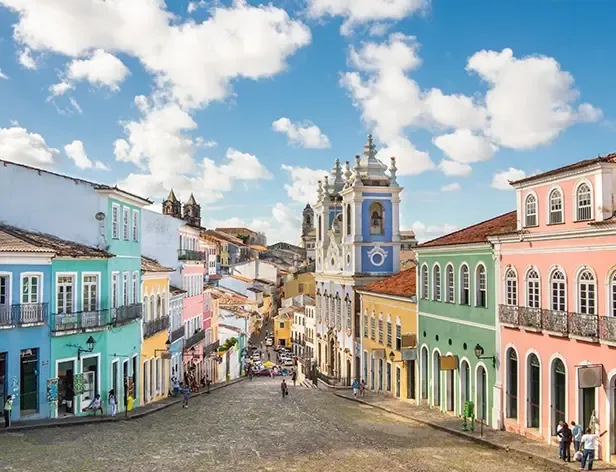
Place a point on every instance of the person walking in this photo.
(588, 446)
(362, 387)
(186, 392)
(566, 437)
(8, 406)
(294, 377)
(113, 403)
(207, 384)
(560, 439)
(576, 432)
(284, 388)
(355, 387)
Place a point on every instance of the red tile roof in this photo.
(152, 265)
(576, 165)
(478, 233)
(403, 284)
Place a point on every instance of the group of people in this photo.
(584, 443)
(97, 405)
(284, 387)
(359, 387)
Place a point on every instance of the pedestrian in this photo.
(207, 384)
(176, 386)
(560, 439)
(576, 432)
(186, 392)
(355, 387)
(362, 387)
(588, 445)
(113, 403)
(8, 406)
(294, 377)
(284, 388)
(69, 396)
(566, 437)
(95, 405)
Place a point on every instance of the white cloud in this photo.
(409, 160)
(425, 232)
(194, 6)
(455, 169)
(306, 134)
(202, 143)
(304, 182)
(19, 145)
(77, 153)
(465, 147)
(25, 59)
(501, 179)
(3, 75)
(356, 12)
(60, 88)
(101, 69)
(452, 187)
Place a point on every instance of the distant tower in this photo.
(307, 220)
(192, 212)
(172, 206)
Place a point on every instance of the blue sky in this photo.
(348, 67)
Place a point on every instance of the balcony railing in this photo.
(23, 314)
(126, 314)
(150, 328)
(194, 339)
(586, 326)
(79, 320)
(210, 348)
(190, 255)
(607, 328)
(177, 334)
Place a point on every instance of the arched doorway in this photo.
(348, 372)
(449, 379)
(339, 367)
(465, 384)
(424, 373)
(511, 389)
(559, 393)
(482, 393)
(332, 357)
(436, 379)
(533, 369)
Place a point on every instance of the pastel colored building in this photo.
(282, 327)
(176, 331)
(357, 243)
(557, 295)
(25, 290)
(457, 315)
(156, 340)
(389, 335)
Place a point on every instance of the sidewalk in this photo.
(132, 415)
(510, 442)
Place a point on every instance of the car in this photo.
(288, 361)
(269, 342)
(263, 373)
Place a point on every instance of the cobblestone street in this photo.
(247, 426)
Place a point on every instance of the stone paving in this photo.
(249, 427)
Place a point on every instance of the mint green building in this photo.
(458, 337)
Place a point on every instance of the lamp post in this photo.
(479, 354)
(392, 358)
(91, 342)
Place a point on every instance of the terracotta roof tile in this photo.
(9, 243)
(403, 284)
(152, 265)
(234, 231)
(221, 236)
(239, 277)
(576, 165)
(48, 242)
(478, 233)
(176, 290)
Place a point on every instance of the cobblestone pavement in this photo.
(249, 427)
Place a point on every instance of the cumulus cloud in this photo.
(101, 69)
(19, 145)
(304, 181)
(76, 152)
(306, 134)
(25, 59)
(501, 179)
(452, 187)
(425, 232)
(3, 75)
(455, 169)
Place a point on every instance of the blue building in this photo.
(25, 288)
(357, 243)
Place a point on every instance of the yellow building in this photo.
(282, 327)
(154, 357)
(389, 335)
(299, 283)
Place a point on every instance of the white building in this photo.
(298, 329)
(309, 330)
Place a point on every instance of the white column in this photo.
(395, 218)
(357, 219)
(497, 404)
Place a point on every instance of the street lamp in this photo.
(479, 354)
(90, 342)
(392, 356)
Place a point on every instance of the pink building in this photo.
(557, 296)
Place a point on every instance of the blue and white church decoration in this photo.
(357, 242)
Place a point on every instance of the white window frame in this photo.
(450, 284)
(39, 293)
(97, 285)
(115, 221)
(135, 292)
(425, 281)
(125, 223)
(125, 288)
(554, 291)
(611, 309)
(478, 285)
(75, 292)
(465, 284)
(436, 282)
(9, 293)
(533, 288)
(527, 214)
(579, 292)
(551, 211)
(579, 208)
(135, 225)
(511, 287)
(114, 287)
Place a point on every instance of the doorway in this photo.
(534, 391)
(482, 393)
(587, 413)
(348, 367)
(3, 382)
(125, 382)
(380, 375)
(449, 377)
(398, 375)
(465, 384)
(357, 368)
(559, 394)
(372, 374)
(332, 357)
(410, 380)
(436, 379)
(424, 374)
(66, 394)
(89, 367)
(29, 379)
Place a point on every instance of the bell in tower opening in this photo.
(376, 219)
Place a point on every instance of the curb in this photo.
(554, 464)
(135, 416)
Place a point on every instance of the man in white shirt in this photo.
(589, 443)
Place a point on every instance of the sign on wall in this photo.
(52, 390)
(449, 363)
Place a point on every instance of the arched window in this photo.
(389, 332)
(436, 379)
(613, 294)
(532, 289)
(372, 327)
(587, 289)
(584, 203)
(559, 393)
(481, 286)
(377, 226)
(449, 280)
(530, 211)
(465, 298)
(338, 314)
(153, 314)
(159, 306)
(512, 384)
(559, 291)
(348, 219)
(511, 288)
(365, 323)
(436, 283)
(380, 329)
(349, 313)
(326, 308)
(145, 308)
(332, 310)
(556, 207)
(424, 281)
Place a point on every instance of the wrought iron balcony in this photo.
(507, 314)
(194, 339)
(531, 317)
(210, 348)
(127, 313)
(177, 334)
(150, 328)
(80, 320)
(556, 321)
(190, 255)
(23, 314)
(586, 326)
(607, 328)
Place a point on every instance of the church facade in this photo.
(357, 242)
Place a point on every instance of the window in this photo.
(115, 296)
(376, 219)
(125, 289)
(511, 287)
(338, 314)
(586, 295)
(348, 219)
(319, 231)
(557, 285)
(450, 295)
(584, 203)
(300, 288)
(436, 283)
(381, 329)
(145, 308)
(373, 327)
(531, 211)
(281, 325)
(482, 287)
(389, 333)
(349, 313)
(532, 289)
(556, 207)
(135, 287)
(115, 221)
(125, 227)
(65, 294)
(4, 290)
(424, 282)
(612, 294)
(159, 306)
(398, 336)
(30, 289)
(90, 293)
(365, 323)
(464, 285)
(135, 225)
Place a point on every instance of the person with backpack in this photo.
(566, 437)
